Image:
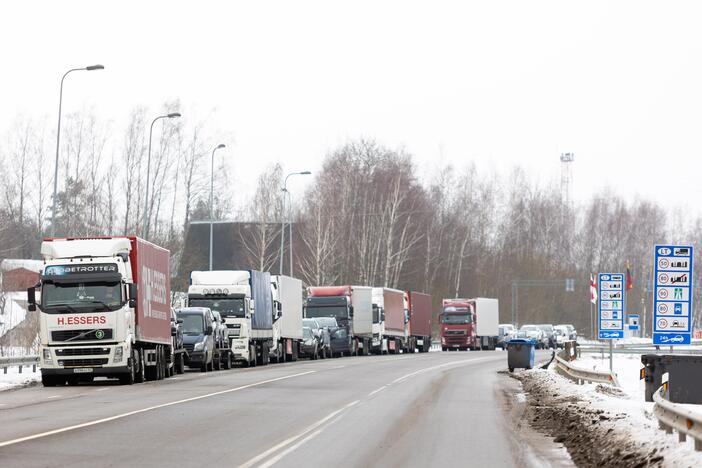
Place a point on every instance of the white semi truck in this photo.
(245, 300)
(104, 310)
(287, 319)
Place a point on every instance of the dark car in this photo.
(198, 337)
(321, 336)
(340, 341)
(177, 361)
(310, 345)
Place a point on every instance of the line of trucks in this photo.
(105, 310)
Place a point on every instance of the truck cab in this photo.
(229, 292)
(457, 325)
(379, 344)
(334, 302)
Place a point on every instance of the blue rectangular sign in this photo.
(610, 306)
(633, 321)
(672, 294)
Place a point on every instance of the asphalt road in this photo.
(434, 409)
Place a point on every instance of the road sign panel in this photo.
(672, 294)
(633, 321)
(610, 307)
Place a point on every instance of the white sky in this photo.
(619, 83)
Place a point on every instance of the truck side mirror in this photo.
(174, 331)
(179, 320)
(132, 287)
(31, 299)
(208, 330)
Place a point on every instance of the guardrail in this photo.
(581, 376)
(633, 348)
(7, 362)
(675, 416)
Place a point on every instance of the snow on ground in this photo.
(13, 379)
(639, 419)
(13, 312)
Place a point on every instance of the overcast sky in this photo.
(496, 82)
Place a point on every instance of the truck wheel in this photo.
(180, 364)
(216, 361)
(204, 367)
(51, 381)
(160, 364)
(264, 356)
(138, 357)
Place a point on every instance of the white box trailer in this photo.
(362, 303)
(487, 313)
(287, 325)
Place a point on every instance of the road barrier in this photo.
(7, 362)
(581, 376)
(675, 416)
(632, 348)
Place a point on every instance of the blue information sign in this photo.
(672, 294)
(610, 307)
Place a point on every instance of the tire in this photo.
(130, 377)
(217, 362)
(511, 369)
(51, 380)
(227, 364)
(264, 356)
(140, 375)
(180, 364)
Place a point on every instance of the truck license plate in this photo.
(82, 370)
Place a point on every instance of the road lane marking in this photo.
(53, 396)
(453, 363)
(144, 410)
(102, 389)
(292, 439)
(378, 390)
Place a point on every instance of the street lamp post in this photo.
(58, 140)
(212, 198)
(145, 226)
(282, 222)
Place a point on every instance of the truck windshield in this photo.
(455, 319)
(81, 297)
(328, 311)
(193, 324)
(227, 307)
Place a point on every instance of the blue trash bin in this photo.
(520, 354)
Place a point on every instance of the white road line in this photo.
(292, 439)
(378, 390)
(427, 369)
(144, 410)
(53, 396)
(102, 389)
(292, 448)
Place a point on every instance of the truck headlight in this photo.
(199, 346)
(47, 356)
(119, 354)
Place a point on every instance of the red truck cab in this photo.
(457, 325)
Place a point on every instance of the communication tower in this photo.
(566, 177)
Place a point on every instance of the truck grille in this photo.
(82, 362)
(65, 335)
(82, 351)
(454, 332)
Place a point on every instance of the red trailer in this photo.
(151, 273)
(420, 320)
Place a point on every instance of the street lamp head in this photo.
(173, 115)
(221, 145)
(305, 173)
(95, 67)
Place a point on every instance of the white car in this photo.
(533, 332)
(562, 334)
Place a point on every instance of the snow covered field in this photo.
(13, 379)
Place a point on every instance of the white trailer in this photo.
(362, 324)
(287, 320)
(487, 313)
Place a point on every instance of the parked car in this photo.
(572, 333)
(561, 334)
(321, 334)
(310, 344)
(220, 330)
(339, 339)
(505, 332)
(550, 339)
(532, 332)
(198, 337)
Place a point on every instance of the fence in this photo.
(7, 362)
(675, 416)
